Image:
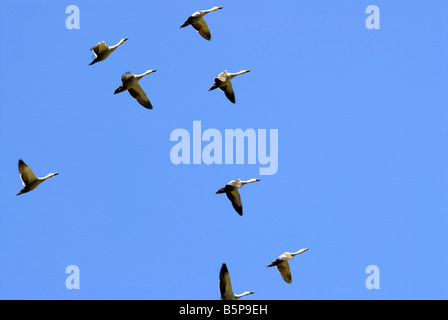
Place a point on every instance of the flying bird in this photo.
(283, 266)
(196, 20)
(29, 179)
(225, 286)
(231, 190)
(102, 51)
(222, 82)
(130, 83)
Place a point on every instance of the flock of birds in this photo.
(231, 189)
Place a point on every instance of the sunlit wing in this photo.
(201, 26)
(222, 77)
(26, 174)
(225, 286)
(283, 268)
(138, 94)
(99, 47)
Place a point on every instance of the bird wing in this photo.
(26, 174)
(201, 26)
(99, 47)
(126, 76)
(228, 90)
(225, 286)
(138, 94)
(222, 77)
(283, 268)
(234, 197)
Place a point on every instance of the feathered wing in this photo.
(225, 286)
(283, 268)
(201, 26)
(235, 197)
(26, 174)
(126, 76)
(99, 47)
(138, 94)
(222, 77)
(228, 90)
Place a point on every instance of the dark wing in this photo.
(283, 268)
(225, 286)
(228, 90)
(234, 197)
(138, 94)
(202, 28)
(26, 174)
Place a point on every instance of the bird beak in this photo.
(220, 8)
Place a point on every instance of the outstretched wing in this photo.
(234, 197)
(26, 174)
(138, 94)
(201, 26)
(228, 90)
(225, 286)
(283, 268)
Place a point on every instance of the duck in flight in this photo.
(196, 20)
(283, 266)
(231, 190)
(222, 82)
(130, 83)
(225, 286)
(29, 179)
(102, 52)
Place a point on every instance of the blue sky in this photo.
(363, 160)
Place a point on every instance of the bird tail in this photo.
(273, 264)
(222, 190)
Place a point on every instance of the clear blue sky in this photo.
(363, 156)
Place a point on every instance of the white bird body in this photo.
(102, 51)
(130, 83)
(231, 190)
(196, 20)
(283, 266)
(222, 82)
(29, 179)
(225, 286)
